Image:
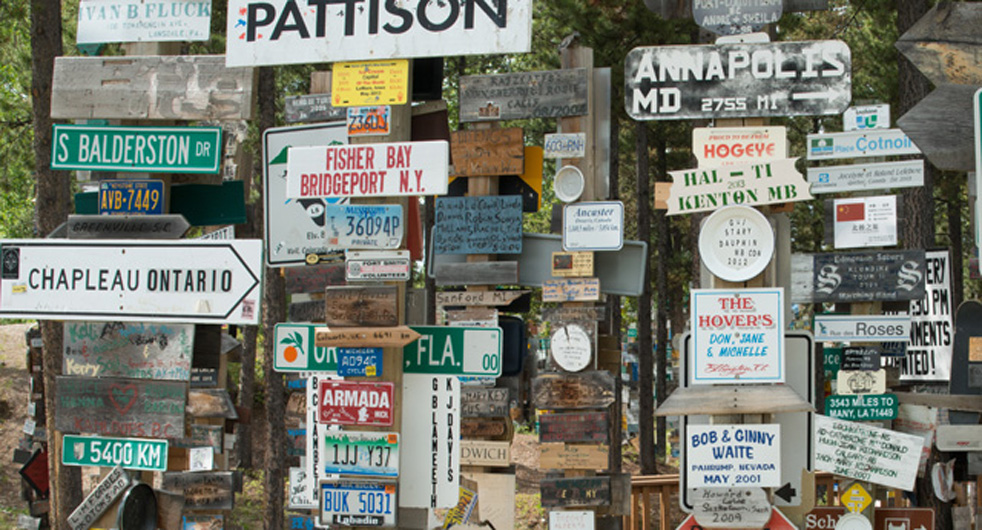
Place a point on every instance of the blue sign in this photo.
(133, 197)
(478, 225)
(360, 362)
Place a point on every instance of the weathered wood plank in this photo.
(487, 152)
(584, 390)
(548, 94)
(204, 490)
(944, 44)
(485, 453)
(478, 298)
(733, 399)
(477, 273)
(389, 337)
(963, 402)
(128, 349)
(942, 126)
(306, 311)
(566, 456)
(477, 315)
(484, 402)
(491, 428)
(572, 314)
(313, 278)
(211, 403)
(574, 427)
(179, 87)
(579, 491)
(361, 306)
(120, 407)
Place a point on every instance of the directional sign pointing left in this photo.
(202, 282)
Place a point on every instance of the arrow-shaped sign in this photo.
(167, 226)
(941, 125)
(202, 282)
(392, 337)
(944, 44)
(786, 492)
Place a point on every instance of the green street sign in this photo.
(862, 407)
(130, 453)
(832, 358)
(295, 350)
(143, 149)
(449, 350)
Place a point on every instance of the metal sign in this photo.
(102, 21)
(931, 342)
(702, 190)
(204, 282)
(133, 197)
(858, 276)
(363, 226)
(368, 170)
(295, 350)
(855, 498)
(862, 177)
(548, 94)
(732, 146)
(596, 226)
(431, 430)
(862, 407)
(354, 502)
(739, 336)
(294, 228)
(370, 83)
(360, 362)
(859, 144)
(369, 121)
(862, 328)
(355, 403)
(131, 148)
(738, 80)
(130, 453)
(882, 456)
(866, 117)
(737, 18)
(377, 265)
(359, 453)
(103, 495)
(865, 222)
(564, 145)
(454, 351)
(311, 108)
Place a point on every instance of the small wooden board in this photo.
(478, 298)
(584, 390)
(313, 278)
(577, 491)
(733, 399)
(211, 403)
(483, 402)
(574, 427)
(477, 273)
(571, 290)
(212, 490)
(573, 314)
(568, 456)
(487, 152)
(121, 407)
(355, 306)
(485, 428)
(390, 337)
(485, 453)
(306, 311)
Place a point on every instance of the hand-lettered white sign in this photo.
(863, 452)
(700, 190)
(729, 456)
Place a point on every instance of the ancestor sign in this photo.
(351, 306)
(859, 144)
(701, 190)
(736, 19)
(597, 226)
(132, 148)
(733, 455)
(739, 336)
(103, 21)
(355, 403)
(295, 350)
(865, 222)
(861, 177)
(867, 453)
(359, 453)
(524, 95)
(121, 407)
(370, 83)
(206, 282)
(454, 351)
(489, 224)
(858, 276)
(128, 349)
(431, 430)
(130, 453)
(368, 170)
(931, 342)
(861, 328)
(734, 146)
(590, 427)
(484, 402)
(487, 152)
(738, 80)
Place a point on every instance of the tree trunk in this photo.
(661, 287)
(646, 424)
(247, 393)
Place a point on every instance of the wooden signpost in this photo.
(204, 490)
(478, 225)
(128, 349)
(165, 226)
(388, 337)
(883, 275)
(547, 94)
(485, 453)
(568, 456)
(151, 88)
(121, 407)
(579, 491)
(584, 390)
(102, 497)
(590, 427)
(571, 290)
(361, 306)
(487, 152)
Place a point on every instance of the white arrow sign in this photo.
(209, 282)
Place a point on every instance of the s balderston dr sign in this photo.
(270, 32)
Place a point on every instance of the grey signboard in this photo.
(738, 80)
(858, 276)
(546, 94)
(736, 18)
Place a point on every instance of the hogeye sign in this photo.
(701, 190)
(732, 146)
(738, 80)
(284, 32)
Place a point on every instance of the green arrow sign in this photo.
(127, 148)
(454, 351)
(862, 407)
(130, 453)
(295, 350)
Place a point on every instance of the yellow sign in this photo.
(364, 84)
(855, 498)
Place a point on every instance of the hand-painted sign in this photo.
(128, 349)
(130, 453)
(733, 456)
(487, 152)
(736, 19)
(130, 280)
(571, 290)
(355, 502)
(387, 337)
(295, 228)
(484, 402)
(302, 495)
(454, 351)
(478, 225)
(736, 243)
(351, 306)
(132, 197)
(858, 276)
(360, 362)
(359, 453)
(167, 226)
(369, 121)
(478, 298)
(131, 148)
(368, 170)
(430, 447)
(597, 226)
(931, 342)
(738, 80)
(861, 177)
(208, 490)
(101, 498)
(867, 453)
(370, 83)
(271, 33)
(746, 507)
(121, 407)
(866, 117)
(377, 265)
(734, 146)
(295, 350)
(549, 94)
(739, 335)
(355, 403)
(701, 190)
(564, 145)
(865, 222)
(583, 390)
(311, 108)
(574, 427)
(862, 328)
(862, 407)
(581, 491)
(858, 144)
(102, 21)
(363, 226)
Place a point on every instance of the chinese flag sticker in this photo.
(855, 211)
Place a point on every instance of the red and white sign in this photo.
(368, 170)
(825, 518)
(778, 521)
(865, 222)
(355, 403)
(729, 146)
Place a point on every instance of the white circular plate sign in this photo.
(569, 183)
(736, 243)
(570, 347)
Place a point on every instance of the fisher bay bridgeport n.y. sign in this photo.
(206, 282)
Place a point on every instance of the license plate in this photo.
(356, 502)
(360, 362)
(364, 226)
(377, 265)
(134, 197)
(360, 453)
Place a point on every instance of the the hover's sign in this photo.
(738, 80)
(286, 32)
(202, 282)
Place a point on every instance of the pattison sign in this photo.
(313, 31)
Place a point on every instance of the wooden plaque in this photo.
(584, 390)
(313, 278)
(306, 311)
(571, 314)
(579, 491)
(121, 407)
(487, 152)
(211, 403)
(566, 456)
(485, 453)
(477, 273)
(574, 427)
(571, 290)
(494, 428)
(361, 306)
(478, 298)
(390, 337)
(128, 349)
(484, 402)
(213, 490)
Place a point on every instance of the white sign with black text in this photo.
(932, 332)
(430, 440)
(863, 452)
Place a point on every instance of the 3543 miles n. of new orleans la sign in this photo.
(738, 80)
